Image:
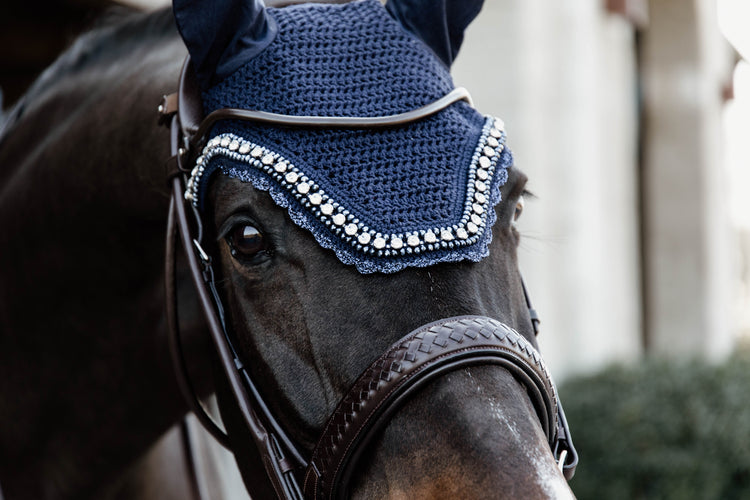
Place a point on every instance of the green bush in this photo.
(662, 431)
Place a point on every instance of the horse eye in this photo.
(246, 241)
(519, 209)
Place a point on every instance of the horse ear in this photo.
(438, 23)
(222, 35)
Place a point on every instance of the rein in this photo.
(413, 361)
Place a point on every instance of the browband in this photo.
(195, 130)
(457, 94)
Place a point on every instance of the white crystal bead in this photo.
(326, 209)
(364, 238)
(413, 240)
(481, 186)
(379, 243)
(257, 152)
(461, 233)
(484, 162)
(303, 188)
(234, 145)
(482, 174)
(291, 177)
(494, 132)
(492, 142)
(488, 151)
(351, 229)
(339, 219)
(472, 228)
(478, 209)
(429, 237)
(481, 198)
(280, 167)
(268, 159)
(396, 243)
(476, 219)
(446, 235)
(316, 198)
(225, 142)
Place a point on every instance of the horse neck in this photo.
(85, 379)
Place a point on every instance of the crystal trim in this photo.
(350, 227)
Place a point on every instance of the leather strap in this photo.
(426, 353)
(189, 101)
(195, 128)
(175, 343)
(457, 94)
(276, 460)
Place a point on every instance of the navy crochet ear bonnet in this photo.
(382, 199)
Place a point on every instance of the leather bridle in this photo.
(413, 361)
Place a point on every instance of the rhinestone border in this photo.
(348, 226)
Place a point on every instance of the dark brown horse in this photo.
(86, 382)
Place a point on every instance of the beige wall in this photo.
(689, 238)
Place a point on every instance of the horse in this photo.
(86, 377)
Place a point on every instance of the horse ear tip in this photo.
(220, 35)
(440, 27)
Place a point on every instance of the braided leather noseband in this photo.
(408, 365)
(423, 355)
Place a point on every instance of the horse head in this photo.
(350, 196)
(349, 224)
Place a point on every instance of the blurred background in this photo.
(632, 120)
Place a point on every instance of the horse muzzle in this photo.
(423, 355)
